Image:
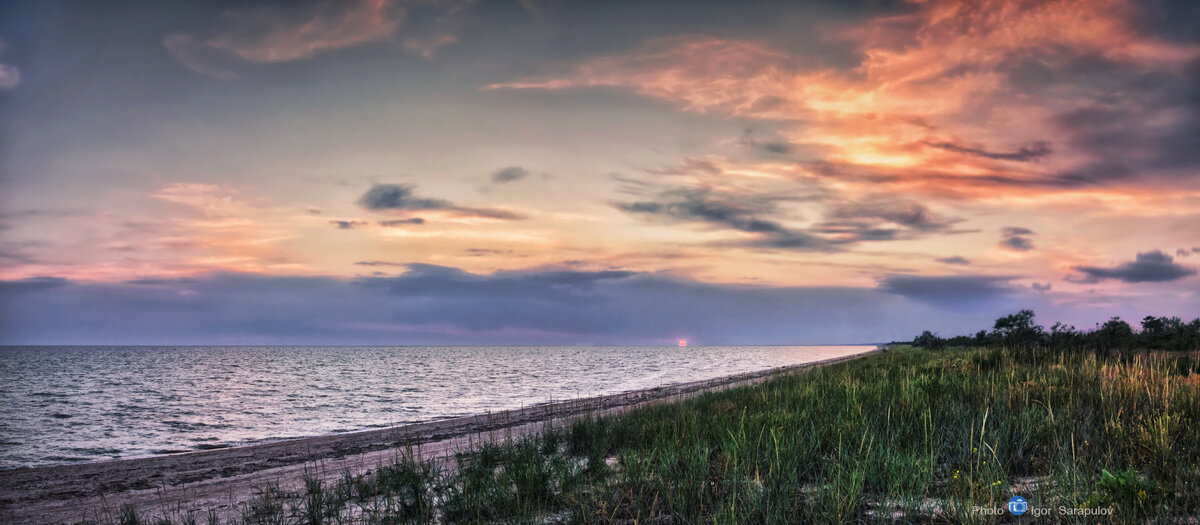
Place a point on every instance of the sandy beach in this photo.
(224, 478)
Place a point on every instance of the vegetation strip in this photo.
(910, 435)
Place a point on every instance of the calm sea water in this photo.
(76, 404)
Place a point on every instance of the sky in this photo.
(571, 172)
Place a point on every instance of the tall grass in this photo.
(908, 435)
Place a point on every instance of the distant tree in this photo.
(1154, 332)
(1063, 336)
(1115, 334)
(928, 339)
(1014, 323)
(1189, 336)
(1181, 335)
(982, 338)
(960, 341)
(1158, 333)
(1154, 324)
(1018, 329)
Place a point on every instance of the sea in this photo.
(64, 405)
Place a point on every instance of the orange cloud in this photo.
(704, 73)
(937, 105)
(209, 228)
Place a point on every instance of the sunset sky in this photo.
(571, 172)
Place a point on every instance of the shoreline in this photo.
(222, 478)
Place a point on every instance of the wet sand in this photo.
(222, 479)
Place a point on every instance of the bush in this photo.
(929, 339)
(1019, 331)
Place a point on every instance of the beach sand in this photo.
(223, 479)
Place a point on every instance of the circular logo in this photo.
(1017, 506)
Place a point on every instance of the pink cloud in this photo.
(703, 73)
(290, 32)
(9, 76)
(281, 35)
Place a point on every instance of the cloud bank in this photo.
(1149, 267)
(400, 198)
(429, 304)
(509, 174)
(1016, 239)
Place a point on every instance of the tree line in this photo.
(1115, 334)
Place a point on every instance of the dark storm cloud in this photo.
(1020, 244)
(400, 197)
(1091, 174)
(32, 284)
(509, 174)
(769, 143)
(1082, 176)
(1132, 137)
(380, 263)
(953, 260)
(415, 221)
(52, 212)
(572, 277)
(908, 214)
(426, 280)
(844, 224)
(850, 232)
(348, 225)
(767, 103)
(161, 282)
(1173, 20)
(442, 305)
(482, 252)
(490, 213)
(1135, 123)
(727, 211)
(882, 219)
(630, 185)
(1154, 266)
(1123, 132)
(778, 147)
(429, 304)
(789, 240)
(1015, 238)
(689, 166)
(17, 252)
(702, 205)
(1029, 152)
(947, 290)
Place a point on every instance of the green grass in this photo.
(908, 435)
